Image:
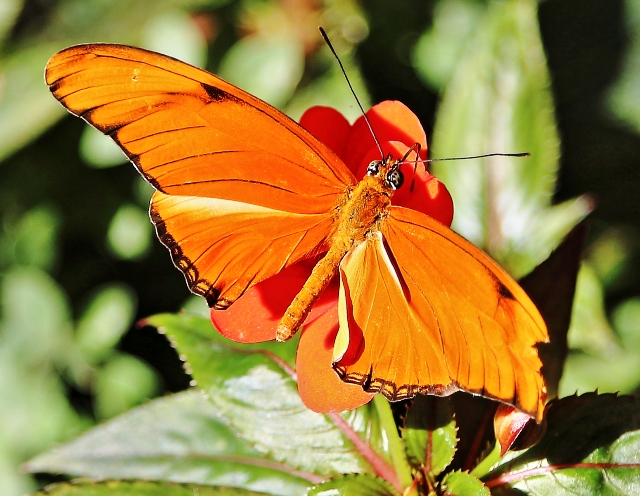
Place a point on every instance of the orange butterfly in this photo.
(243, 193)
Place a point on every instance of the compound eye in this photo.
(373, 169)
(394, 179)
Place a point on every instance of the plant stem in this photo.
(396, 447)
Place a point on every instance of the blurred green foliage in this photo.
(78, 262)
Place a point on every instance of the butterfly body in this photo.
(357, 217)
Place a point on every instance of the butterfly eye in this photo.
(373, 168)
(394, 179)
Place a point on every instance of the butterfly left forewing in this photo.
(200, 140)
(191, 133)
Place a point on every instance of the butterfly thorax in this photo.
(358, 217)
(367, 206)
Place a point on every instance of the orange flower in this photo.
(254, 317)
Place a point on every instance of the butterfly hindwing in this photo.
(224, 247)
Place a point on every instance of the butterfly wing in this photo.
(425, 311)
(195, 137)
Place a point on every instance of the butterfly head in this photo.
(387, 171)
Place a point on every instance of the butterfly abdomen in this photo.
(301, 305)
(357, 218)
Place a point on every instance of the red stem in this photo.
(516, 476)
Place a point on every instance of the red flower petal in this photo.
(253, 318)
(329, 126)
(321, 390)
(391, 121)
(516, 430)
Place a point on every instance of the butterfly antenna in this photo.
(344, 72)
(524, 154)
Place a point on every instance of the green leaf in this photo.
(260, 398)
(140, 488)
(9, 12)
(123, 382)
(617, 372)
(354, 485)
(430, 434)
(177, 34)
(100, 151)
(590, 330)
(198, 334)
(179, 438)
(439, 48)
(597, 359)
(36, 317)
(551, 286)
(269, 68)
(463, 484)
(108, 316)
(331, 90)
(26, 105)
(33, 238)
(130, 233)
(626, 320)
(624, 94)
(500, 101)
(592, 446)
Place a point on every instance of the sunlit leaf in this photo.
(463, 484)
(142, 191)
(592, 446)
(618, 371)
(354, 485)
(9, 10)
(35, 341)
(499, 100)
(611, 254)
(429, 434)
(179, 438)
(141, 488)
(196, 305)
(624, 95)
(36, 411)
(26, 106)
(261, 398)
